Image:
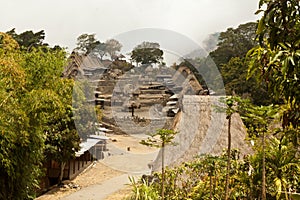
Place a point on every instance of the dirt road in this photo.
(110, 175)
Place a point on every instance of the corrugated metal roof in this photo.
(171, 107)
(101, 137)
(100, 133)
(103, 129)
(175, 96)
(171, 102)
(86, 145)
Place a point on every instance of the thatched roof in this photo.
(202, 130)
(82, 63)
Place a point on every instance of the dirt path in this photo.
(96, 174)
(108, 178)
(100, 191)
(120, 194)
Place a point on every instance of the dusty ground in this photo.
(98, 172)
(121, 194)
(124, 141)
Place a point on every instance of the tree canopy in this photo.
(234, 43)
(36, 103)
(268, 65)
(29, 39)
(230, 58)
(88, 44)
(257, 60)
(277, 59)
(112, 47)
(147, 53)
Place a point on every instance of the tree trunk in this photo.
(163, 171)
(228, 160)
(61, 174)
(210, 185)
(264, 195)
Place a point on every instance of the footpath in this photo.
(132, 164)
(100, 191)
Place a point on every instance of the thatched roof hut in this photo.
(83, 65)
(202, 130)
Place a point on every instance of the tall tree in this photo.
(29, 39)
(277, 58)
(112, 47)
(100, 50)
(230, 59)
(258, 119)
(35, 97)
(147, 53)
(234, 74)
(62, 139)
(43, 75)
(86, 43)
(21, 138)
(234, 43)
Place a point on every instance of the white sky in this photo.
(64, 20)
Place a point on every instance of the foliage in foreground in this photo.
(273, 171)
(204, 177)
(160, 139)
(35, 116)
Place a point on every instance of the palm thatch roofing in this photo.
(202, 130)
(83, 64)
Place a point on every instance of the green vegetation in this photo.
(204, 177)
(258, 61)
(276, 59)
(35, 112)
(113, 46)
(21, 137)
(37, 119)
(28, 39)
(147, 53)
(160, 139)
(88, 44)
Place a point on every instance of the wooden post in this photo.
(132, 110)
(228, 160)
(264, 195)
(162, 171)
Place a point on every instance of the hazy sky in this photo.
(64, 20)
